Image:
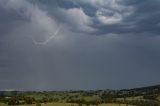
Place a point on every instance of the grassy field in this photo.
(59, 95)
(131, 98)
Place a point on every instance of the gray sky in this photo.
(79, 44)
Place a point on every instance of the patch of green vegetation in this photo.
(131, 98)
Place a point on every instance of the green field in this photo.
(131, 98)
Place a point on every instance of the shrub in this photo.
(38, 104)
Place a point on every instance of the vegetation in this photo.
(147, 96)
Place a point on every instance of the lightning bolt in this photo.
(46, 41)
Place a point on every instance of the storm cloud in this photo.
(79, 44)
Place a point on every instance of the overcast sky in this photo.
(79, 44)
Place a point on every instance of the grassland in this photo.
(131, 98)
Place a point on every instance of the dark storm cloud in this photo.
(144, 17)
(51, 45)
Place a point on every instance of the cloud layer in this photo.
(79, 44)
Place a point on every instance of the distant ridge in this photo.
(143, 88)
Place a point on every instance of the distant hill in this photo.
(154, 87)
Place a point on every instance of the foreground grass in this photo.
(2, 104)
